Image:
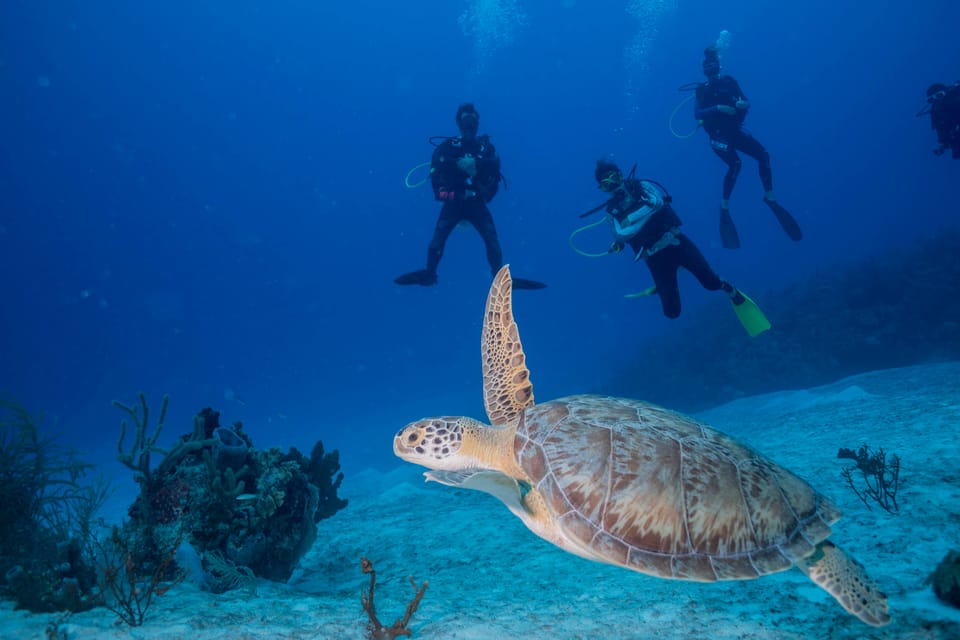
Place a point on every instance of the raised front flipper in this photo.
(507, 389)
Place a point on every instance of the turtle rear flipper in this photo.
(846, 580)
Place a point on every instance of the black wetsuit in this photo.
(470, 196)
(727, 134)
(665, 260)
(945, 120)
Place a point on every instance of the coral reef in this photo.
(900, 309)
(251, 513)
(257, 510)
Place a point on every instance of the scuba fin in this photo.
(786, 220)
(728, 232)
(749, 314)
(523, 283)
(649, 291)
(422, 277)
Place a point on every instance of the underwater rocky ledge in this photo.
(898, 309)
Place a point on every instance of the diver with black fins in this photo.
(641, 215)
(721, 107)
(465, 175)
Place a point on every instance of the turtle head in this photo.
(436, 443)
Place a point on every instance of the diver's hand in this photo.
(743, 105)
(616, 247)
(939, 150)
(726, 109)
(468, 166)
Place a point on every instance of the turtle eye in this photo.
(412, 437)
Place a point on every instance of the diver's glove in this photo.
(468, 165)
(616, 247)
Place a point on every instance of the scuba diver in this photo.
(641, 215)
(722, 108)
(944, 112)
(465, 175)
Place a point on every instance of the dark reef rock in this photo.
(257, 509)
(946, 579)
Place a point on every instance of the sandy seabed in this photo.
(491, 578)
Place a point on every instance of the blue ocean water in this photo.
(206, 199)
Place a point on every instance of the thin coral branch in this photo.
(130, 588)
(366, 597)
(412, 606)
(399, 628)
(138, 458)
(878, 477)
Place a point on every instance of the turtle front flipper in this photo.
(501, 486)
(507, 389)
(846, 580)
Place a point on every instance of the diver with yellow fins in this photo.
(640, 215)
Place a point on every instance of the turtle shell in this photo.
(643, 487)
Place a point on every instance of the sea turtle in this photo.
(633, 484)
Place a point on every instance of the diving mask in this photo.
(610, 182)
(469, 122)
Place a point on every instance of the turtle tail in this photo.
(846, 580)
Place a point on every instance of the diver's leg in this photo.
(752, 147)
(729, 155)
(690, 258)
(663, 267)
(479, 216)
(450, 215)
(729, 237)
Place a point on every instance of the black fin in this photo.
(728, 231)
(786, 220)
(420, 276)
(523, 283)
